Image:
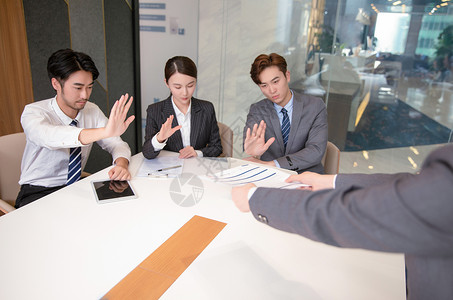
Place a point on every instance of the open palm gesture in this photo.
(117, 123)
(254, 143)
(166, 130)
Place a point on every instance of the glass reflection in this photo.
(383, 69)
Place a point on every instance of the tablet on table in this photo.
(112, 190)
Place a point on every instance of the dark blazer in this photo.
(406, 213)
(204, 131)
(308, 136)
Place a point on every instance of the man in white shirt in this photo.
(57, 126)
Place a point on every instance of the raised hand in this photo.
(117, 123)
(254, 143)
(166, 131)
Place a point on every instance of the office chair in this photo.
(331, 159)
(11, 150)
(226, 137)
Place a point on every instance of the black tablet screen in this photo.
(112, 189)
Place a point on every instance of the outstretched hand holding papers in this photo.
(259, 175)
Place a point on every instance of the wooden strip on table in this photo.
(151, 278)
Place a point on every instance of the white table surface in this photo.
(66, 246)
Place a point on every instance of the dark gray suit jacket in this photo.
(407, 213)
(308, 136)
(204, 131)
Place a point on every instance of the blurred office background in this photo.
(382, 67)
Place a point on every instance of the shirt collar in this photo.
(177, 111)
(61, 115)
(288, 106)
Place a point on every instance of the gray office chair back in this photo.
(11, 150)
(331, 159)
(226, 137)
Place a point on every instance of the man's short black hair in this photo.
(64, 62)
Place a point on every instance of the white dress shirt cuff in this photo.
(199, 153)
(251, 191)
(276, 163)
(334, 180)
(158, 146)
(114, 161)
(75, 133)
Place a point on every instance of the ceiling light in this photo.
(413, 149)
(414, 165)
(365, 155)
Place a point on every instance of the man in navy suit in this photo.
(287, 129)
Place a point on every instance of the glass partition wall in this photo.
(382, 67)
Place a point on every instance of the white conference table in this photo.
(66, 246)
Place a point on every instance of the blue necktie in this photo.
(286, 127)
(75, 162)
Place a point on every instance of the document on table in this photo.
(259, 175)
(167, 166)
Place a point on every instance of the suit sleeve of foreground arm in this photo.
(402, 213)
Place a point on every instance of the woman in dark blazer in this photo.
(181, 123)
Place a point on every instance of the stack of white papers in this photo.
(167, 166)
(258, 175)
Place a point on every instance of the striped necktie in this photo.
(286, 127)
(75, 162)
